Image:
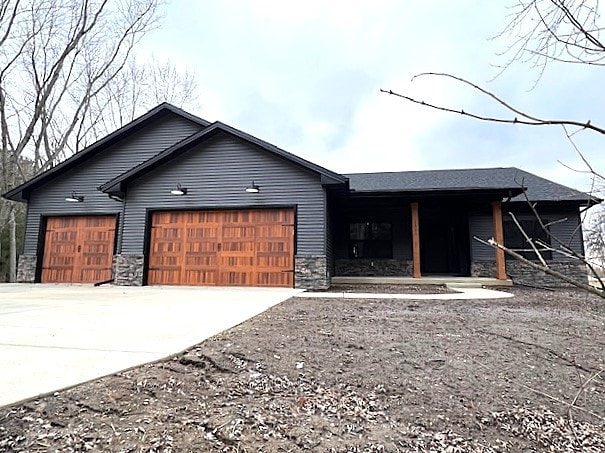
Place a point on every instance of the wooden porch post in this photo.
(415, 240)
(499, 238)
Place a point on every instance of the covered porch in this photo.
(417, 238)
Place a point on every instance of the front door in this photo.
(444, 241)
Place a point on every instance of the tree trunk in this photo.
(12, 247)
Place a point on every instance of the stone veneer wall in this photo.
(311, 272)
(373, 268)
(483, 269)
(128, 270)
(520, 273)
(26, 268)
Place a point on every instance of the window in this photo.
(370, 240)
(514, 239)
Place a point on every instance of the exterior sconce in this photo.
(75, 198)
(253, 188)
(179, 190)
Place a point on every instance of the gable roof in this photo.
(537, 188)
(21, 192)
(117, 184)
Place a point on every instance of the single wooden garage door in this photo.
(252, 247)
(78, 249)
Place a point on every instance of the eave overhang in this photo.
(503, 193)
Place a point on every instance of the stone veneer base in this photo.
(522, 274)
(373, 268)
(311, 272)
(128, 270)
(26, 268)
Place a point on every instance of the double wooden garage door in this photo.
(78, 249)
(253, 247)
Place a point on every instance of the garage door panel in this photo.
(165, 276)
(57, 275)
(241, 261)
(93, 275)
(194, 277)
(235, 247)
(271, 261)
(236, 278)
(201, 260)
(274, 279)
(78, 249)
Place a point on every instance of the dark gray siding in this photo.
(328, 233)
(85, 178)
(567, 231)
(216, 174)
(481, 226)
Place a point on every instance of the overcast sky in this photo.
(306, 76)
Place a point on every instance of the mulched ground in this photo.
(348, 375)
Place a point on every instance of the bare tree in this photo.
(56, 56)
(541, 32)
(545, 31)
(140, 86)
(595, 240)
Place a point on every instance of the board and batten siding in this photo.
(568, 231)
(49, 199)
(216, 174)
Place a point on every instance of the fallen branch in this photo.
(539, 346)
(547, 270)
(539, 392)
(582, 387)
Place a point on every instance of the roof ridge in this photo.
(430, 170)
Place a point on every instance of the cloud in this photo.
(306, 76)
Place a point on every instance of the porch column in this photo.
(415, 239)
(499, 238)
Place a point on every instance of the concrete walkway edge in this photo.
(463, 292)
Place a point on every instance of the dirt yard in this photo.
(352, 376)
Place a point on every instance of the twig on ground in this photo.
(581, 389)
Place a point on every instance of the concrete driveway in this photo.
(56, 336)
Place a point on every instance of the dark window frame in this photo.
(371, 240)
(514, 239)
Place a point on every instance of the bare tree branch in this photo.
(546, 270)
(521, 118)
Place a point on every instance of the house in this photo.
(173, 199)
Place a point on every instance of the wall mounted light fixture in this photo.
(178, 190)
(75, 198)
(253, 188)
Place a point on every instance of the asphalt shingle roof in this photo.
(537, 188)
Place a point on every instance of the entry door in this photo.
(252, 247)
(444, 242)
(78, 249)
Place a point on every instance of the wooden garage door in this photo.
(78, 249)
(253, 247)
